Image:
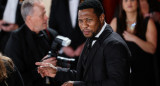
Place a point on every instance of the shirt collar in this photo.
(105, 24)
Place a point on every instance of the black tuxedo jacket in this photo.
(60, 21)
(4, 36)
(107, 63)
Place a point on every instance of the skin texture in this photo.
(37, 21)
(89, 23)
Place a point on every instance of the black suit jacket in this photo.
(107, 63)
(4, 36)
(25, 48)
(60, 21)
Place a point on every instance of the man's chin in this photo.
(44, 27)
(87, 36)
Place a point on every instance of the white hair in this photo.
(27, 7)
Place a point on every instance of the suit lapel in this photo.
(95, 47)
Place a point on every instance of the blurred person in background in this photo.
(141, 37)
(151, 8)
(9, 75)
(9, 11)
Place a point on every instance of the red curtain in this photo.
(109, 8)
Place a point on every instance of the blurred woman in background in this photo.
(141, 36)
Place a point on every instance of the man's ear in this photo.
(102, 17)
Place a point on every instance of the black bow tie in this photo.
(91, 40)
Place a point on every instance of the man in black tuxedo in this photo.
(105, 58)
(63, 19)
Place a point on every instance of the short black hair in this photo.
(95, 4)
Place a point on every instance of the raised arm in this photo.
(149, 45)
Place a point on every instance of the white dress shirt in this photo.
(73, 8)
(100, 32)
(9, 14)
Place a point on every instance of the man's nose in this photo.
(85, 24)
(46, 17)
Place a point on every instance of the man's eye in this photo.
(89, 20)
